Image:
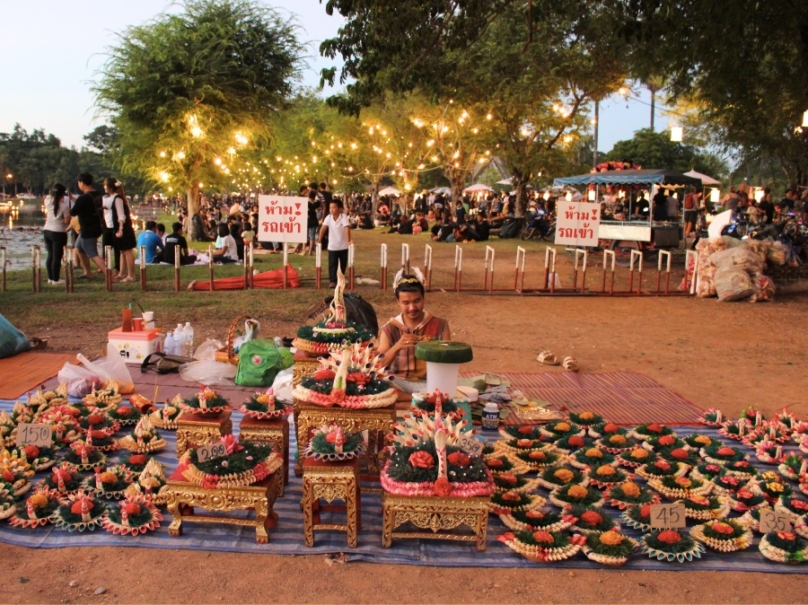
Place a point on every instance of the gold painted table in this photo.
(378, 422)
(306, 364)
(182, 496)
(194, 430)
(439, 515)
(273, 432)
(331, 481)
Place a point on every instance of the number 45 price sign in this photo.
(668, 516)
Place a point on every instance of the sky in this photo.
(51, 50)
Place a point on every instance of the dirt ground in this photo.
(723, 355)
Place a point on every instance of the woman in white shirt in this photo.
(123, 232)
(57, 217)
(228, 252)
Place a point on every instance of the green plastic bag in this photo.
(259, 361)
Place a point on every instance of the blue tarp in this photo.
(629, 177)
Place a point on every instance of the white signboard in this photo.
(577, 224)
(282, 219)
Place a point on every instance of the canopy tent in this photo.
(504, 182)
(705, 180)
(389, 191)
(441, 190)
(630, 177)
(477, 188)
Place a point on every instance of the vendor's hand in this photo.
(408, 341)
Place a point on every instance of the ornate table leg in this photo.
(308, 512)
(481, 529)
(175, 529)
(352, 511)
(387, 525)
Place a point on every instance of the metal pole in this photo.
(635, 254)
(489, 270)
(109, 257)
(177, 254)
(520, 254)
(285, 265)
(383, 267)
(428, 266)
(143, 268)
(318, 265)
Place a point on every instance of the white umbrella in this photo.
(505, 182)
(443, 190)
(389, 191)
(477, 187)
(705, 180)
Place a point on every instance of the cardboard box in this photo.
(134, 347)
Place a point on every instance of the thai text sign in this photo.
(577, 224)
(282, 219)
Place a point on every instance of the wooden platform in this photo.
(28, 371)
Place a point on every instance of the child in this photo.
(339, 238)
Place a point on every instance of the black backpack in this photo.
(510, 228)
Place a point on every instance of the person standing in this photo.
(57, 209)
(124, 241)
(312, 222)
(88, 209)
(339, 238)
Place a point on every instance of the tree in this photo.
(651, 149)
(189, 89)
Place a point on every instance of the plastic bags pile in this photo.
(732, 269)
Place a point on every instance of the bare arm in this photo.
(322, 234)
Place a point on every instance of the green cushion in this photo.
(441, 351)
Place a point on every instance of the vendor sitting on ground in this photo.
(399, 336)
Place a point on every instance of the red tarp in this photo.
(267, 279)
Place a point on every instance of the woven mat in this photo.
(287, 537)
(622, 397)
(27, 371)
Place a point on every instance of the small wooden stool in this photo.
(194, 430)
(182, 496)
(331, 481)
(438, 515)
(274, 432)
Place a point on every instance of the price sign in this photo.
(772, 520)
(40, 435)
(470, 445)
(209, 452)
(668, 516)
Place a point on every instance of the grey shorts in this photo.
(312, 234)
(88, 245)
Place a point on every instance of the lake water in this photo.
(19, 231)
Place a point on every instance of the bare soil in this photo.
(722, 355)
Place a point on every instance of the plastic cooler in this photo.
(134, 347)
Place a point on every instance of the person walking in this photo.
(57, 217)
(339, 238)
(88, 210)
(123, 241)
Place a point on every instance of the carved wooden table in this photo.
(331, 481)
(194, 430)
(183, 496)
(378, 422)
(439, 515)
(273, 432)
(306, 364)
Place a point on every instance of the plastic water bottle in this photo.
(188, 342)
(179, 340)
(168, 345)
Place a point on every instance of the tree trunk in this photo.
(374, 199)
(192, 198)
(458, 180)
(521, 198)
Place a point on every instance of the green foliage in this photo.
(352, 389)
(186, 89)
(592, 496)
(145, 516)
(616, 492)
(401, 470)
(790, 546)
(238, 462)
(713, 504)
(97, 511)
(548, 518)
(548, 475)
(737, 531)
(560, 539)
(651, 149)
(604, 524)
(321, 446)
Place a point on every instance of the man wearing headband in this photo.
(399, 336)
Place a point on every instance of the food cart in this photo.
(661, 234)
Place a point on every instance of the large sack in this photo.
(12, 341)
(733, 284)
(738, 258)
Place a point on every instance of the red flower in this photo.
(131, 508)
(679, 453)
(324, 375)
(76, 508)
(537, 456)
(534, 514)
(525, 430)
(713, 468)
(94, 419)
(662, 465)
(231, 444)
(592, 517)
(459, 459)
(7, 476)
(722, 528)
(123, 410)
(666, 440)
(337, 395)
(138, 459)
(745, 494)
(358, 378)
(655, 427)
(442, 487)
(543, 537)
(524, 442)
(506, 537)
(645, 511)
(669, 537)
(576, 441)
(31, 452)
(495, 463)
(786, 535)
(506, 477)
(725, 451)
(610, 428)
(97, 435)
(511, 497)
(730, 480)
(422, 459)
(799, 504)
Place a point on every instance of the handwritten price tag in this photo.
(668, 516)
(40, 435)
(772, 520)
(209, 452)
(470, 445)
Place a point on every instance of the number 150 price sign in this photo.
(40, 435)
